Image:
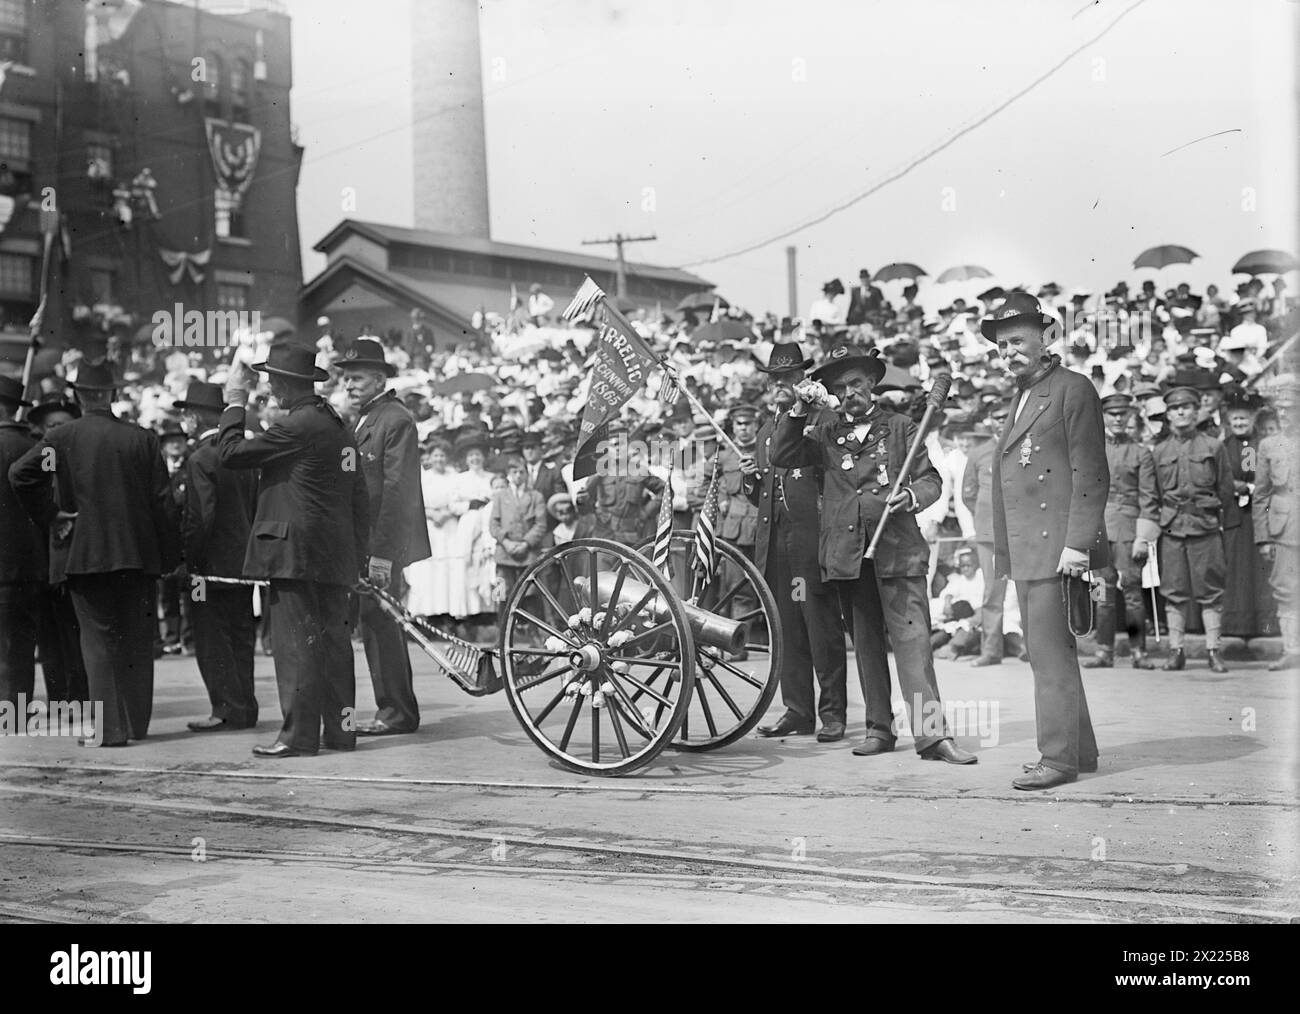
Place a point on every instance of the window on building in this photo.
(232, 296)
(13, 30)
(15, 142)
(17, 274)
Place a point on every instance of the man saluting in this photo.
(1050, 484)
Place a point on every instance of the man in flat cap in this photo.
(861, 449)
(1050, 482)
(1132, 527)
(1276, 515)
(1194, 491)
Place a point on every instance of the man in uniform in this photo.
(1132, 528)
(22, 559)
(218, 514)
(1194, 491)
(115, 510)
(860, 449)
(1049, 497)
(389, 451)
(1276, 516)
(786, 552)
(977, 495)
(309, 538)
(621, 501)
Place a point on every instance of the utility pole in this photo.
(792, 281)
(618, 240)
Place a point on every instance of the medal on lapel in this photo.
(882, 476)
(847, 463)
(1025, 448)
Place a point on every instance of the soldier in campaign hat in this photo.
(1194, 495)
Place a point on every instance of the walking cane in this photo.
(934, 402)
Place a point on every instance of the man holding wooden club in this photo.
(862, 450)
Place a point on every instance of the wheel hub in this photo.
(585, 659)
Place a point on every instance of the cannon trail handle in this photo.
(938, 395)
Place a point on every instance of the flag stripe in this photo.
(662, 557)
(584, 300)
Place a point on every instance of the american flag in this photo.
(584, 303)
(706, 547)
(662, 558)
(669, 392)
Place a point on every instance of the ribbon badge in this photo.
(1025, 448)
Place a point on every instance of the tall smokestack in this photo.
(451, 192)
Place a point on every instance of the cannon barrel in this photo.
(706, 627)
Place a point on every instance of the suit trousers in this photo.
(18, 623)
(314, 672)
(225, 638)
(389, 662)
(812, 633)
(1065, 736)
(995, 593)
(59, 637)
(118, 625)
(899, 606)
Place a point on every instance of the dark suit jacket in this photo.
(548, 483)
(313, 511)
(977, 488)
(853, 499)
(1058, 498)
(22, 544)
(111, 473)
(219, 506)
(802, 497)
(519, 518)
(390, 460)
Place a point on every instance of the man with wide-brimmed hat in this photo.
(218, 515)
(389, 450)
(861, 450)
(1195, 496)
(115, 510)
(309, 539)
(22, 559)
(1133, 528)
(1049, 495)
(785, 551)
(1276, 515)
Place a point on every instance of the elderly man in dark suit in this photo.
(219, 506)
(1050, 483)
(861, 449)
(120, 520)
(785, 550)
(22, 559)
(309, 539)
(390, 461)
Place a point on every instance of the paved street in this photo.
(1193, 816)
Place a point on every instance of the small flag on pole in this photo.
(662, 558)
(706, 547)
(585, 301)
(669, 392)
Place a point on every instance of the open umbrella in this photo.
(726, 329)
(1265, 262)
(892, 271)
(702, 301)
(962, 272)
(1162, 256)
(463, 382)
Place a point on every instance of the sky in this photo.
(719, 124)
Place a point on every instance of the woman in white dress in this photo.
(437, 585)
(472, 503)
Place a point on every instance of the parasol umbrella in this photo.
(1265, 262)
(464, 382)
(890, 272)
(1162, 256)
(962, 272)
(727, 329)
(702, 301)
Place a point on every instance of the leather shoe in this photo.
(1175, 661)
(210, 724)
(1102, 660)
(1141, 660)
(1085, 768)
(378, 728)
(1216, 661)
(873, 745)
(279, 750)
(1042, 777)
(787, 726)
(979, 661)
(831, 732)
(946, 750)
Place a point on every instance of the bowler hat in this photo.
(290, 359)
(844, 358)
(786, 356)
(11, 391)
(94, 377)
(1017, 306)
(369, 354)
(201, 395)
(53, 402)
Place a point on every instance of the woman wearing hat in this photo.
(1248, 609)
(471, 591)
(438, 587)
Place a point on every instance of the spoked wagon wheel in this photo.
(600, 682)
(732, 690)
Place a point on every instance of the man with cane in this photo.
(863, 453)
